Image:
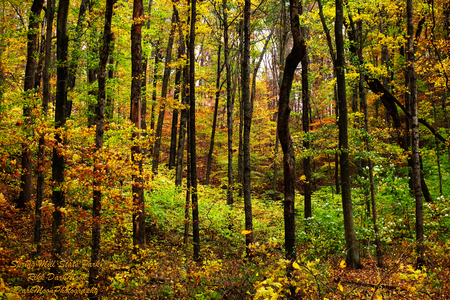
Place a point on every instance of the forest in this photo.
(224, 149)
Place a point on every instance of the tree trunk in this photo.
(135, 117)
(40, 185)
(178, 74)
(350, 236)
(109, 106)
(62, 74)
(76, 53)
(98, 165)
(184, 111)
(173, 132)
(247, 109)
(92, 70)
(292, 60)
(306, 143)
(162, 108)
(192, 138)
(230, 105)
(30, 70)
(415, 134)
(214, 124)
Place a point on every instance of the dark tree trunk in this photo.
(76, 52)
(306, 143)
(98, 165)
(156, 78)
(192, 138)
(350, 236)
(62, 73)
(247, 110)
(178, 73)
(92, 70)
(135, 117)
(162, 107)
(282, 49)
(30, 70)
(415, 134)
(184, 111)
(241, 113)
(214, 124)
(144, 78)
(40, 185)
(173, 132)
(230, 105)
(109, 106)
(292, 60)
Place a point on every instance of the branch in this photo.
(376, 87)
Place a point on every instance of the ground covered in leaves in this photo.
(165, 270)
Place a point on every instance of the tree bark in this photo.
(306, 143)
(76, 53)
(98, 165)
(40, 185)
(292, 60)
(192, 138)
(184, 111)
(353, 259)
(415, 134)
(247, 110)
(214, 124)
(162, 108)
(139, 241)
(230, 105)
(58, 167)
(30, 70)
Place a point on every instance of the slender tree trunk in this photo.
(192, 138)
(135, 117)
(230, 105)
(247, 110)
(156, 78)
(350, 236)
(415, 134)
(144, 78)
(98, 165)
(162, 108)
(109, 108)
(241, 113)
(214, 124)
(76, 52)
(184, 113)
(306, 143)
(173, 132)
(30, 70)
(58, 167)
(178, 73)
(438, 154)
(40, 185)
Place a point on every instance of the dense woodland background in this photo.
(230, 149)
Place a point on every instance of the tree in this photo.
(99, 132)
(30, 70)
(292, 61)
(162, 108)
(192, 140)
(415, 134)
(58, 166)
(350, 236)
(139, 241)
(40, 184)
(230, 104)
(247, 110)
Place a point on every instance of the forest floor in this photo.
(166, 271)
